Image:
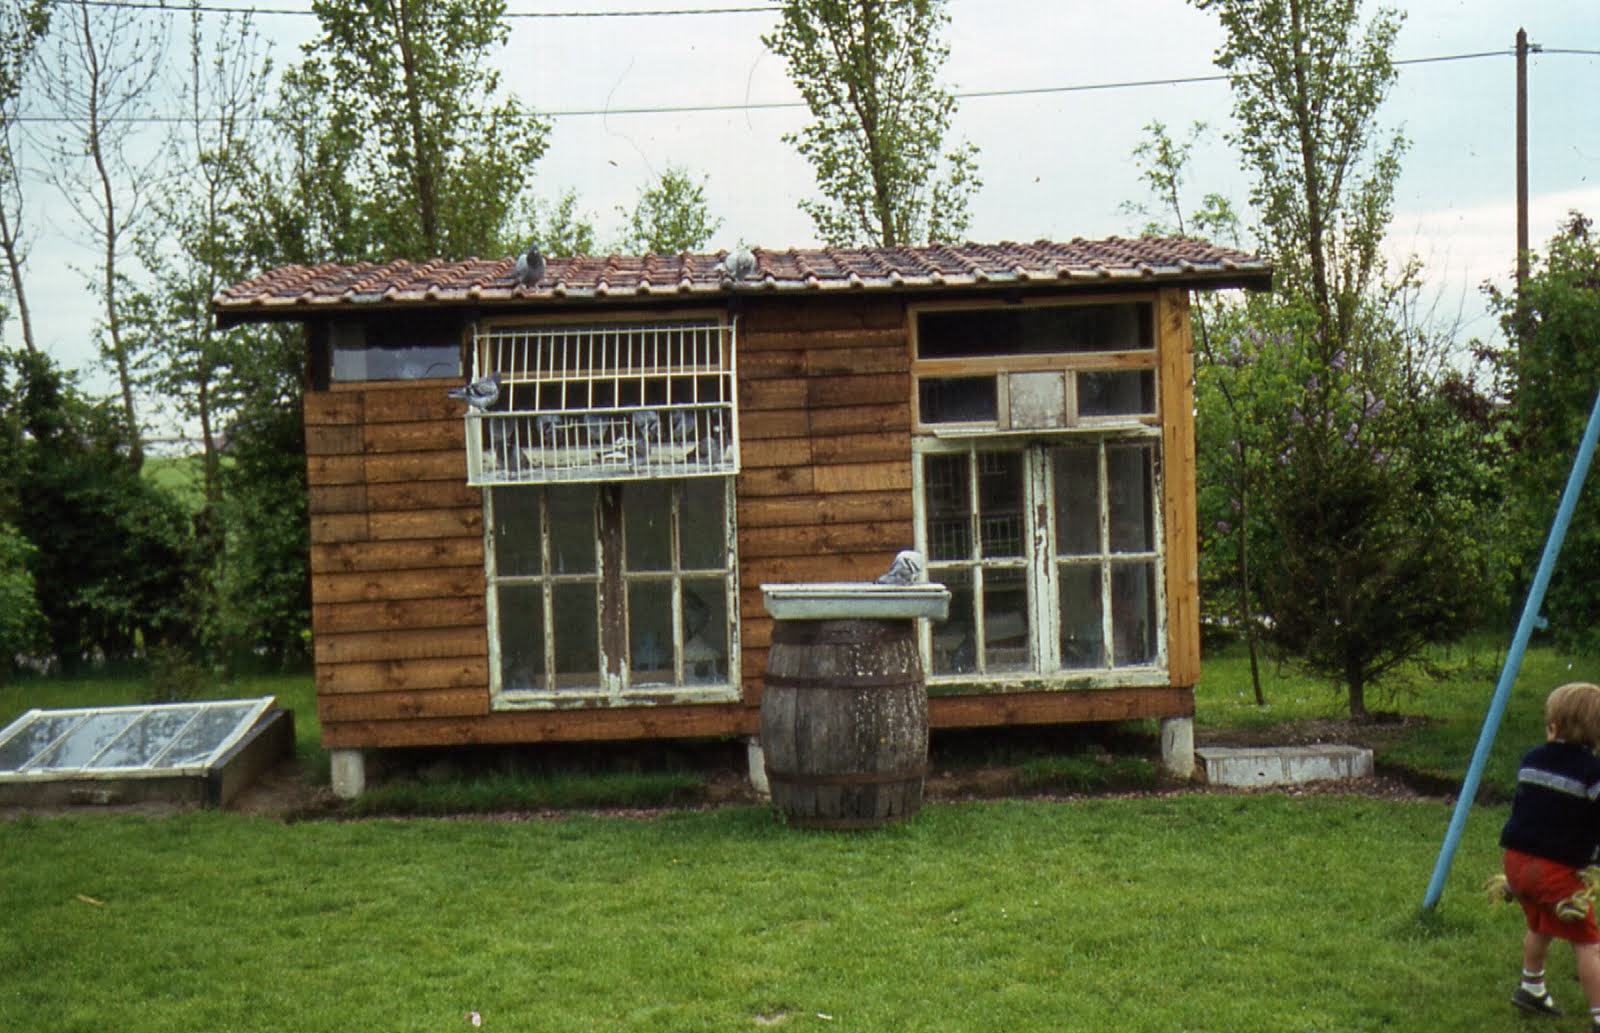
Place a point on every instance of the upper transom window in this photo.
(605, 402)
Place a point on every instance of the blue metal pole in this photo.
(1519, 645)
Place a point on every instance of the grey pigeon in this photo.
(481, 393)
(550, 426)
(530, 267)
(740, 265)
(909, 568)
(646, 432)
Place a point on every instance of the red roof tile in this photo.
(289, 292)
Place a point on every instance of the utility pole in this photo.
(1522, 156)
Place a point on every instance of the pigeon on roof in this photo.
(530, 267)
(909, 568)
(740, 265)
(481, 393)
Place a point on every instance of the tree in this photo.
(671, 217)
(21, 28)
(1552, 377)
(868, 71)
(101, 84)
(1371, 552)
(407, 93)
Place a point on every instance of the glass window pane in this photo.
(516, 531)
(577, 646)
(955, 638)
(1000, 493)
(1131, 484)
(1133, 613)
(33, 737)
(521, 612)
(1005, 620)
(153, 733)
(1082, 630)
(703, 523)
(572, 530)
(1118, 326)
(650, 632)
(647, 521)
(705, 632)
(947, 507)
(202, 738)
(957, 400)
(88, 739)
(1077, 490)
(1117, 393)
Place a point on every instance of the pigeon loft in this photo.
(578, 554)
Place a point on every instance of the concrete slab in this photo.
(1282, 765)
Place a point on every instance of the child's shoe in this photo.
(1539, 1004)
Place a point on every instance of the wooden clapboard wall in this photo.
(825, 447)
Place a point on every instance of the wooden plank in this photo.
(774, 452)
(537, 726)
(332, 408)
(792, 480)
(335, 470)
(403, 495)
(1064, 707)
(427, 523)
(466, 672)
(400, 555)
(863, 477)
(866, 419)
(333, 441)
(755, 395)
(338, 527)
(815, 510)
(841, 539)
(372, 586)
(426, 401)
(858, 361)
(878, 389)
(416, 704)
(859, 339)
(860, 448)
(782, 569)
(773, 423)
(337, 498)
(400, 645)
(771, 363)
(418, 466)
(1176, 392)
(398, 615)
(415, 436)
(805, 316)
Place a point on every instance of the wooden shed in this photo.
(582, 559)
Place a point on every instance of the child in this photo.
(1551, 835)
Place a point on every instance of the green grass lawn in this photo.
(1242, 912)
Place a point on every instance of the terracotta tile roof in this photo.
(290, 292)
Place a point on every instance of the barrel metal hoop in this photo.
(845, 778)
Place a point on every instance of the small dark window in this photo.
(1043, 330)
(957, 400)
(389, 349)
(1117, 393)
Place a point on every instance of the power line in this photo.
(1029, 91)
(181, 8)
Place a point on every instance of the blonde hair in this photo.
(1573, 713)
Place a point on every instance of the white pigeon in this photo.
(909, 568)
(481, 393)
(530, 267)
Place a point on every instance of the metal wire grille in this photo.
(605, 403)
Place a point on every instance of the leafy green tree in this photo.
(671, 217)
(408, 100)
(1370, 554)
(868, 70)
(1552, 374)
(20, 619)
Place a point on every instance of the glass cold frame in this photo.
(155, 739)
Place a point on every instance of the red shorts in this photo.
(1540, 885)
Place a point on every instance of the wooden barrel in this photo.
(844, 722)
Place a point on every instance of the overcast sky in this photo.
(1056, 163)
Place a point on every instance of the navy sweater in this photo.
(1556, 812)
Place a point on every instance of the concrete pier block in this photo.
(1283, 765)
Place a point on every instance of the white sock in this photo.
(1533, 982)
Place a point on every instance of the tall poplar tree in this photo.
(868, 70)
(21, 27)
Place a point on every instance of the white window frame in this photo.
(605, 400)
(1043, 564)
(613, 684)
